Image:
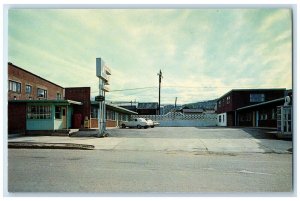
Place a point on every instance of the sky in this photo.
(202, 53)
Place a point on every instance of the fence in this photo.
(178, 119)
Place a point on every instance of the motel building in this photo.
(264, 108)
(39, 106)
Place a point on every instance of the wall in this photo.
(24, 77)
(186, 123)
(80, 94)
(16, 118)
(241, 98)
(41, 124)
(111, 123)
(178, 119)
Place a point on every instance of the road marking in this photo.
(249, 172)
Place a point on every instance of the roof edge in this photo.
(10, 63)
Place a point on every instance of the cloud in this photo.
(203, 53)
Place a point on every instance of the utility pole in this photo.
(175, 103)
(160, 76)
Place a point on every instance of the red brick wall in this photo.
(16, 118)
(111, 123)
(24, 77)
(80, 94)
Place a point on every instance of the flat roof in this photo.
(69, 102)
(266, 89)
(263, 103)
(115, 107)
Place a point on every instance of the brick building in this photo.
(24, 85)
(36, 105)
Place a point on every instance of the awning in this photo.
(57, 102)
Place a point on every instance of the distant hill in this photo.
(205, 105)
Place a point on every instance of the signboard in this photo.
(99, 98)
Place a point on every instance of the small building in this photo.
(149, 108)
(114, 114)
(35, 103)
(40, 116)
(228, 104)
(39, 106)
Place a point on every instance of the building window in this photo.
(42, 93)
(273, 114)
(14, 86)
(228, 100)
(220, 119)
(223, 118)
(110, 115)
(58, 96)
(28, 89)
(263, 116)
(257, 98)
(38, 112)
(94, 113)
(57, 112)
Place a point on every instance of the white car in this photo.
(156, 123)
(135, 123)
(150, 122)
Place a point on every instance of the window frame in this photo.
(13, 86)
(41, 112)
(45, 93)
(28, 86)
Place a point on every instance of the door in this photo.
(257, 118)
(64, 117)
(253, 119)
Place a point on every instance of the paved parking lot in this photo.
(190, 139)
(224, 140)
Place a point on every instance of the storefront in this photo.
(40, 115)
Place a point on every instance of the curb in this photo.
(34, 145)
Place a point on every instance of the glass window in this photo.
(28, 89)
(257, 98)
(58, 96)
(14, 86)
(228, 100)
(57, 112)
(38, 112)
(41, 93)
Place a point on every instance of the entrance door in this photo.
(64, 117)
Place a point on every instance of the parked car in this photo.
(135, 123)
(156, 123)
(150, 122)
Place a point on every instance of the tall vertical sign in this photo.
(101, 72)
